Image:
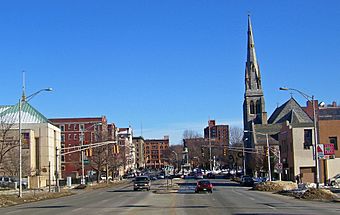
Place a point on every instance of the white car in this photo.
(335, 180)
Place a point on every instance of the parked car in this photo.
(199, 175)
(141, 183)
(204, 185)
(5, 181)
(8, 181)
(211, 175)
(335, 180)
(247, 180)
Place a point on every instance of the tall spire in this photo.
(253, 76)
(251, 57)
(254, 104)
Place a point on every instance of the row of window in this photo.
(72, 127)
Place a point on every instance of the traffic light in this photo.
(265, 148)
(115, 149)
(202, 151)
(88, 152)
(225, 151)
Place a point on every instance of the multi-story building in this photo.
(328, 123)
(139, 146)
(92, 129)
(40, 144)
(154, 151)
(125, 136)
(218, 134)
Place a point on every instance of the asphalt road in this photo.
(227, 198)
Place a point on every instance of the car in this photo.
(334, 180)
(247, 180)
(204, 185)
(141, 183)
(211, 175)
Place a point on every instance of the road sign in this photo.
(329, 149)
(320, 151)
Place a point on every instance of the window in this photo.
(69, 136)
(252, 107)
(75, 136)
(334, 140)
(62, 139)
(81, 126)
(258, 106)
(62, 128)
(307, 139)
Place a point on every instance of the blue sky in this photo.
(166, 66)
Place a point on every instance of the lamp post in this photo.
(311, 99)
(244, 157)
(268, 152)
(21, 101)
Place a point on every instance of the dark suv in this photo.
(141, 183)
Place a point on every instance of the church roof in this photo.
(290, 111)
(10, 114)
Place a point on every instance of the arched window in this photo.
(258, 106)
(252, 107)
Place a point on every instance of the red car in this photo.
(204, 185)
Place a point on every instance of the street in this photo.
(228, 198)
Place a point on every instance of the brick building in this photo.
(328, 117)
(219, 134)
(71, 131)
(154, 151)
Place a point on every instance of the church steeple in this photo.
(254, 105)
(251, 55)
(253, 76)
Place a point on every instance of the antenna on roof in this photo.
(23, 86)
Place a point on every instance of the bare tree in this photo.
(236, 135)
(190, 134)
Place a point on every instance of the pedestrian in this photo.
(297, 179)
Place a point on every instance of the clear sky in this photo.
(165, 66)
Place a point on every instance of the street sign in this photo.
(320, 151)
(329, 149)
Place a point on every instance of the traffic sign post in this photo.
(320, 151)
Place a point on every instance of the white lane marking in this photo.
(77, 209)
(17, 211)
(271, 207)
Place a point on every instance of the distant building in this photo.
(125, 136)
(139, 146)
(71, 132)
(218, 134)
(154, 151)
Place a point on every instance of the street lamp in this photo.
(268, 152)
(310, 99)
(21, 100)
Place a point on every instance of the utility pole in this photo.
(210, 160)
